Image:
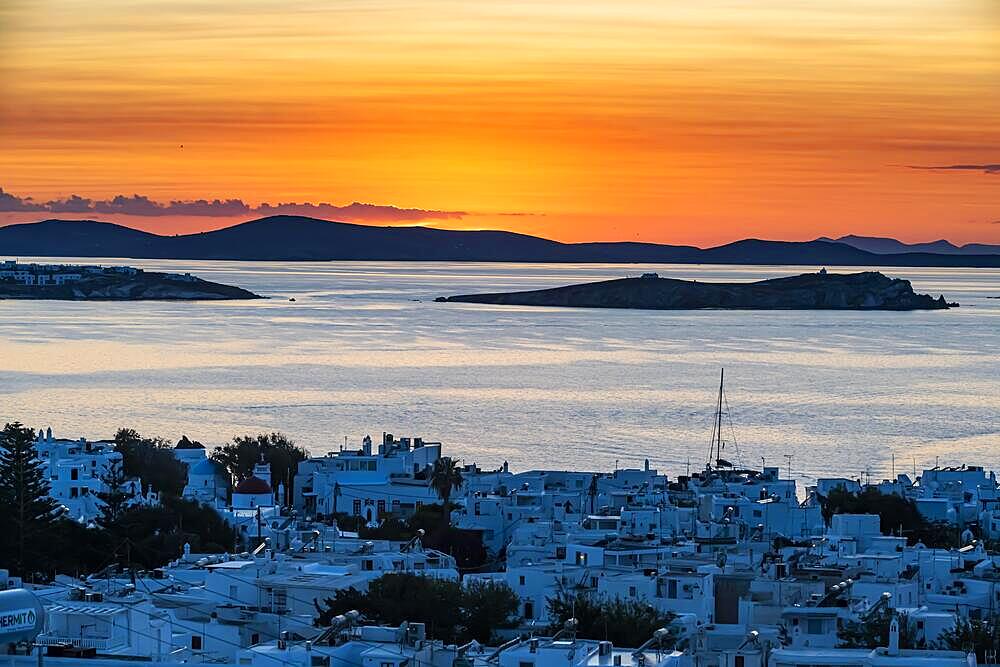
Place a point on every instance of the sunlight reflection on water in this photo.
(364, 348)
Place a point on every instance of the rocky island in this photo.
(79, 282)
(870, 290)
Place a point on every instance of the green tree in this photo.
(895, 514)
(488, 606)
(451, 612)
(466, 546)
(446, 477)
(152, 460)
(157, 534)
(622, 622)
(872, 631)
(244, 452)
(27, 509)
(972, 636)
(116, 496)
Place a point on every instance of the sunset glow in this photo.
(658, 120)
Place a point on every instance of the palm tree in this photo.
(446, 476)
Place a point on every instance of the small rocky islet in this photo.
(869, 290)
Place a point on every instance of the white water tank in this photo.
(22, 616)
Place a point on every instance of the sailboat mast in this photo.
(718, 417)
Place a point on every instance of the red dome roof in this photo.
(252, 484)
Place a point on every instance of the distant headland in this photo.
(292, 238)
(84, 282)
(870, 290)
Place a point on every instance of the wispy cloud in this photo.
(143, 206)
(985, 168)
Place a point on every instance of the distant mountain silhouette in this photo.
(885, 246)
(291, 238)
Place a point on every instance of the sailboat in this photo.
(715, 460)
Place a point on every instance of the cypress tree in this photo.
(28, 511)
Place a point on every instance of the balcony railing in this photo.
(98, 643)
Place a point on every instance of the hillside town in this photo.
(725, 567)
(40, 275)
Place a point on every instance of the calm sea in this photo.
(364, 349)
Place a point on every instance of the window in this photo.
(255, 638)
(280, 599)
(525, 663)
(381, 507)
(672, 589)
(631, 591)
(387, 664)
(520, 580)
(357, 506)
(74, 492)
(814, 626)
(529, 609)
(195, 642)
(74, 474)
(739, 661)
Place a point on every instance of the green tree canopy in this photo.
(117, 495)
(895, 514)
(972, 636)
(626, 623)
(152, 460)
(244, 452)
(27, 511)
(873, 631)
(157, 534)
(452, 613)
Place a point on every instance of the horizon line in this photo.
(421, 225)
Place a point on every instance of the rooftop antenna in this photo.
(789, 457)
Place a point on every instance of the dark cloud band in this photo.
(985, 168)
(140, 205)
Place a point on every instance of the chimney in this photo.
(894, 636)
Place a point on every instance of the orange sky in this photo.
(662, 120)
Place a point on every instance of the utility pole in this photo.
(789, 457)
